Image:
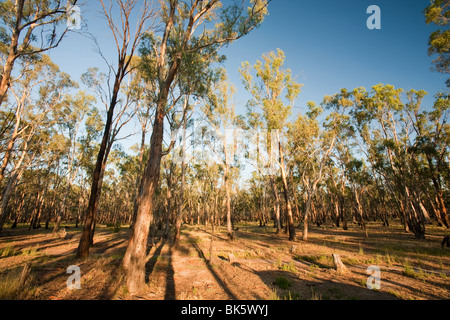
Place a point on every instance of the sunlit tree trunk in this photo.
(289, 216)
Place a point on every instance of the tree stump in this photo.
(62, 234)
(340, 267)
(231, 258)
(25, 273)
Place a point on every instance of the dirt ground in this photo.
(258, 265)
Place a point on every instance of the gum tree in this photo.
(195, 27)
(221, 116)
(27, 29)
(310, 148)
(34, 117)
(71, 115)
(438, 13)
(274, 91)
(126, 42)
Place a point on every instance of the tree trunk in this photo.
(86, 237)
(12, 52)
(289, 216)
(442, 210)
(306, 218)
(135, 256)
(360, 213)
(230, 231)
(183, 178)
(277, 221)
(9, 188)
(138, 179)
(63, 208)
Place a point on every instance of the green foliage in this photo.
(29, 30)
(8, 251)
(409, 271)
(31, 251)
(283, 283)
(438, 13)
(272, 87)
(274, 295)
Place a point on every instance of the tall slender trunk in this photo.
(34, 214)
(230, 232)
(12, 182)
(416, 219)
(306, 217)
(289, 216)
(63, 208)
(183, 178)
(7, 154)
(6, 197)
(85, 241)
(442, 210)
(135, 256)
(360, 212)
(276, 205)
(138, 179)
(168, 202)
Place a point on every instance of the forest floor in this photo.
(258, 265)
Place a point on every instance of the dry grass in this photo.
(11, 286)
(265, 265)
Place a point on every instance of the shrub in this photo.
(282, 282)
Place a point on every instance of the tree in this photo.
(438, 13)
(221, 116)
(181, 24)
(33, 116)
(71, 116)
(267, 90)
(310, 149)
(23, 23)
(126, 45)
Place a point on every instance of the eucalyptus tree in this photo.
(389, 126)
(198, 28)
(42, 77)
(38, 95)
(429, 153)
(70, 117)
(28, 28)
(194, 83)
(438, 133)
(141, 90)
(274, 91)
(257, 155)
(438, 13)
(310, 147)
(126, 43)
(223, 120)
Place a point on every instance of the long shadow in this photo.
(111, 287)
(150, 265)
(405, 286)
(211, 270)
(275, 239)
(299, 289)
(170, 281)
(403, 252)
(102, 247)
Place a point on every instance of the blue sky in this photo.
(327, 46)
